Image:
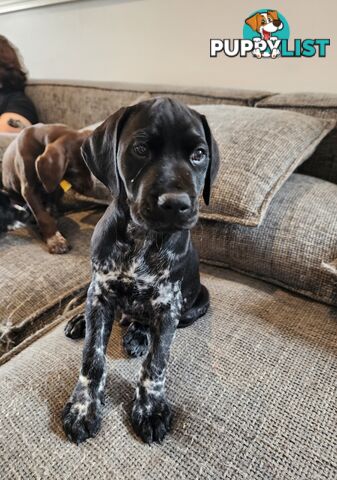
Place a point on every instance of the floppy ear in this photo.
(253, 21)
(273, 14)
(214, 160)
(99, 150)
(51, 165)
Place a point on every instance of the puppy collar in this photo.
(65, 185)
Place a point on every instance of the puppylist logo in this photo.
(266, 35)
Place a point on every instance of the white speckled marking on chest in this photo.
(141, 290)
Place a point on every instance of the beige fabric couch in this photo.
(252, 383)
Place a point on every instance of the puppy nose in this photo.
(174, 202)
(277, 23)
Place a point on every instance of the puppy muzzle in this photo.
(167, 212)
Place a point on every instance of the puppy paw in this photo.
(136, 340)
(151, 421)
(57, 244)
(75, 328)
(82, 419)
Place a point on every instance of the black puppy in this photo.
(11, 215)
(156, 157)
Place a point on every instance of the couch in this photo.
(252, 383)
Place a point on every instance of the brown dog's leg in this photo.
(56, 243)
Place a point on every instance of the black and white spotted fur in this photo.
(12, 215)
(143, 261)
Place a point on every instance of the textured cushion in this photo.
(259, 149)
(81, 103)
(252, 385)
(76, 106)
(295, 246)
(34, 283)
(317, 104)
(323, 163)
(141, 98)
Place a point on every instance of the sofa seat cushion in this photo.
(259, 149)
(35, 284)
(252, 385)
(295, 246)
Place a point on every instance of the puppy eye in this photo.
(263, 21)
(198, 155)
(141, 149)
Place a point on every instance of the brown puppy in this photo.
(35, 163)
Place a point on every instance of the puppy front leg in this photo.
(151, 414)
(82, 415)
(55, 241)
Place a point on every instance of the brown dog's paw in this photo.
(57, 244)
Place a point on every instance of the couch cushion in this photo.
(323, 163)
(252, 386)
(295, 246)
(316, 104)
(77, 106)
(141, 98)
(259, 149)
(81, 103)
(35, 284)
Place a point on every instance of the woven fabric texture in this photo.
(79, 104)
(323, 163)
(34, 282)
(76, 106)
(237, 95)
(294, 245)
(252, 385)
(259, 149)
(141, 98)
(311, 101)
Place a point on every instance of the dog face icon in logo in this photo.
(265, 28)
